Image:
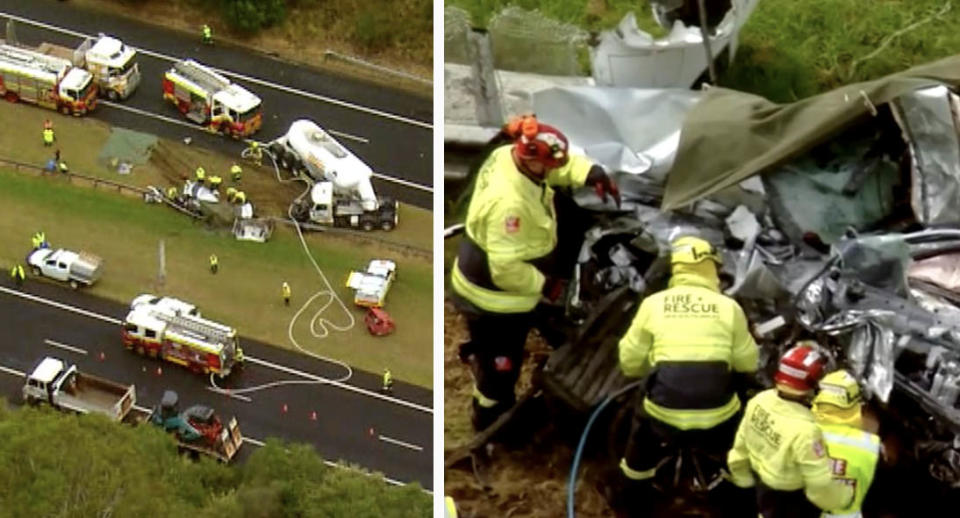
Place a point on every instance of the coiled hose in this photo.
(572, 482)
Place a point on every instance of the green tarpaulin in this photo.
(729, 136)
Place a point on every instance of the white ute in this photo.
(63, 265)
(62, 386)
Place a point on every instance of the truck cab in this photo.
(63, 386)
(78, 92)
(236, 112)
(114, 67)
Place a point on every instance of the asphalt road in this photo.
(363, 429)
(397, 148)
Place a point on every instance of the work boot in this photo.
(628, 498)
(483, 417)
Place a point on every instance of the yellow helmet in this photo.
(839, 389)
(692, 250)
(254, 144)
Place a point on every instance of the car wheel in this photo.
(386, 225)
(140, 350)
(74, 284)
(35, 271)
(112, 95)
(367, 225)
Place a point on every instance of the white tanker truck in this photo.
(342, 195)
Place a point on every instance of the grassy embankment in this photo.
(246, 292)
(790, 50)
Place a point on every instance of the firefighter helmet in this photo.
(692, 250)
(839, 389)
(538, 142)
(800, 368)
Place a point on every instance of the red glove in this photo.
(603, 184)
(553, 288)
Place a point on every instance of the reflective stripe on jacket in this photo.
(853, 454)
(693, 337)
(779, 441)
(510, 222)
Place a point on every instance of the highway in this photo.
(391, 131)
(352, 421)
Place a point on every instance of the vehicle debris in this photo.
(373, 284)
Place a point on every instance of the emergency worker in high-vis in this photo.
(693, 344)
(503, 266)
(853, 451)
(779, 448)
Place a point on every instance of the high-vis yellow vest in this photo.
(779, 441)
(853, 454)
(511, 220)
(694, 338)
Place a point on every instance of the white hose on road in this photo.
(320, 326)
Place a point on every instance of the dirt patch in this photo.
(525, 482)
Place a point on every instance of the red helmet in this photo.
(537, 141)
(800, 369)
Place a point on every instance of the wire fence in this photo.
(72, 177)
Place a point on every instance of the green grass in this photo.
(246, 291)
(788, 49)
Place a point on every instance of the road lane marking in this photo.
(13, 372)
(391, 440)
(250, 359)
(405, 183)
(59, 305)
(253, 441)
(65, 346)
(202, 129)
(309, 95)
(227, 393)
(339, 384)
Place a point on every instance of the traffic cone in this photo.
(159, 371)
(313, 415)
(102, 356)
(283, 409)
(371, 431)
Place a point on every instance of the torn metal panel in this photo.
(930, 127)
(942, 270)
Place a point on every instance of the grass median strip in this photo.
(246, 291)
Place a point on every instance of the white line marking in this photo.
(65, 346)
(310, 95)
(251, 359)
(59, 305)
(241, 397)
(13, 372)
(339, 384)
(199, 128)
(405, 183)
(391, 440)
(253, 441)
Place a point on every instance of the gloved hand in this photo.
(603, 184)
(553, 288)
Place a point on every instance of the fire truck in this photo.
(112, 64)
(48, 81)
(174, 330)
(211, 100)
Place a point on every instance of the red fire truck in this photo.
(211, 100)
(174, 330)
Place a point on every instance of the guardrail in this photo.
(140, 192)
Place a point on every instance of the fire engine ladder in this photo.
(26, 58)
(205, 330)
(203, 77)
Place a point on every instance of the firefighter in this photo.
(17, 274)
(449, 507)
(286, 293)
(387, 380)
(853, 451)
(503, 265)
(39, 240)
(48, 136)
(201, 175)
(214, 264)
(172, 193)
(206, 35)
(240, 198)
(779, 448)
(61, 165)
(235, 172)
(695, 345)
(215, 182)
(231, 192)
(256, 154)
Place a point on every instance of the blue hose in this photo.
(572, 482)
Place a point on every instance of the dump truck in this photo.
(76, 268)
(343, 195)
(112, 63)
(373, 284)
(198, 429)
(62, 386)
(174, 330)
(48, 81)
(211, 100)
